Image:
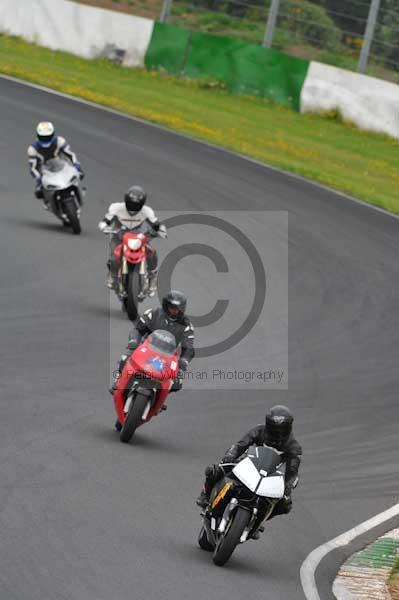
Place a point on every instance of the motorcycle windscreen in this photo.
(267, 460)
(271, 487)
(163, 341)
(58, 172)
(247, 473)
(54, 165)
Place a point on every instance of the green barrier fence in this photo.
(244, 68)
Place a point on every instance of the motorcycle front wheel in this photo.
(73, 218)
(133, 289)
(133, 418)
(228, 542)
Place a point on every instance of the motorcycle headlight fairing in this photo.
(134, 243)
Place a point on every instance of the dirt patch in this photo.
(147, 8)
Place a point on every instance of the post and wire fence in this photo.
(361, 35)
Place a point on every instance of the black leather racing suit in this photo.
(181, 328)
(292, 453)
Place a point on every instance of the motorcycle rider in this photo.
(276, 433)
(171, 317)
(46, 146)
(132, 213)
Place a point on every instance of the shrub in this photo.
(310, 23)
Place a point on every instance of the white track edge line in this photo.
(208, 144)
(311, 562)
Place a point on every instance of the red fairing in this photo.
(134, 246)
(145, 363)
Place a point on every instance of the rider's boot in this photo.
(40, 196)
(152, 283)
(203, 499)
(117, 373)
(111, 279)
(256, 534)
(176, 385)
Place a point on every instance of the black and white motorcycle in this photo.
(62, 191)
(243, 499)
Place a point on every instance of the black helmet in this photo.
(174, 304)
(135, 198)
(279, 422)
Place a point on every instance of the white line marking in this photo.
(208, 144)
(312, 561)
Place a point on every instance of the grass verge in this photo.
(359, 163)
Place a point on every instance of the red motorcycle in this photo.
(145, 382)
(132, 284)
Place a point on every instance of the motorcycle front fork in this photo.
(144, 280)
(122, 279)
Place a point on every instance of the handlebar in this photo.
(123, 229)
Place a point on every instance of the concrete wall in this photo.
(368, 102)
(76, 28)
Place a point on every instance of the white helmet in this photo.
(45, 134)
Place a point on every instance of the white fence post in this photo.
(167, 5)
(368, 36)
(271, 23)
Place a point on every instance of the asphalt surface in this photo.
(84, 517)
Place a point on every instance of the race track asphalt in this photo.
(84, 517)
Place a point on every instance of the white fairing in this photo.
(61, 179)
(247, 473)
(271, 487)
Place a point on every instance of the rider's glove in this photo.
(132, 345)
(227, 459)
(162, 232)
(183, 364)
(176, 385)
(78, 166)
(102, 225)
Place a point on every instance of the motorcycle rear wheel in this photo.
(228, 542)
(133, 418)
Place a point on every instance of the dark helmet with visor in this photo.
(135, 198)
(174, 304)
(279, 420)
